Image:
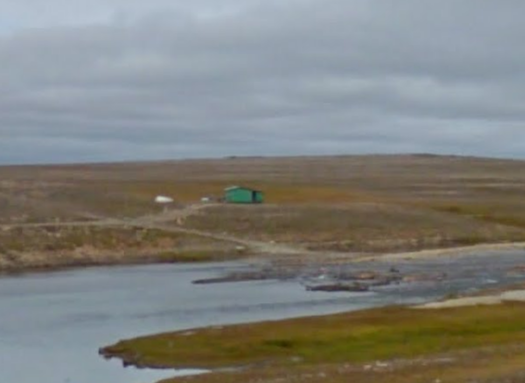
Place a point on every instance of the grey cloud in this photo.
(303, 76)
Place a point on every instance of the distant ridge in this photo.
(258, 158)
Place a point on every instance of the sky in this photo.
(118, 80)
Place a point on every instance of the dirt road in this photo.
(169, 221)
(172, 221)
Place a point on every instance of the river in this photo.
(52, 324)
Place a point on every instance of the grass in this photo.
(128, 189)
(211, 254)
(359, 227)
(359, 337)
(508, 214)
(70, 238)
(487, 366)
(343, 203)
(37, 247)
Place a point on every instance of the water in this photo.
(51, 325)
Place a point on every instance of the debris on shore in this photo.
(328, 279)
(337, 287)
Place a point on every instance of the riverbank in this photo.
(439, 344)
(50, 247)
(292, 262)
(45, 262)
(489, 299)
(448, 252)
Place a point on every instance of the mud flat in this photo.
(492, 299)
(448, 252)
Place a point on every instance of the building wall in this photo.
(241, 195)
(259, 197)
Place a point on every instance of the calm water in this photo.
(51, 325)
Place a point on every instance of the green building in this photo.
(239, 194)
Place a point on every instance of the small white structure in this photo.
(161, 199)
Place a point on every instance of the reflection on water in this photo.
(51, 325)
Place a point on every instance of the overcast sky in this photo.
(132, 79)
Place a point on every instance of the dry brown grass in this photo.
(368, 227)
(51, 247)
(349, 203)
(409, 179)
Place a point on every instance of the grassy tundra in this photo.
(396, 344)
(52, 216)
(367, 204)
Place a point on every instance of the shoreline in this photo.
(282, 340)
(111, 262)
(452, 251)
(133, 259)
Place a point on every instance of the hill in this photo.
(60, 215)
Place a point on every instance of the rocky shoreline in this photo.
(309, 267)
(359, 275)
(327, 279)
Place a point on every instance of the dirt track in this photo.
(160, 222)
(171, 221)
(168, 222)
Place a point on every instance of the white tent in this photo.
(163, 199)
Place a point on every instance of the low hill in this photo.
(371, 204)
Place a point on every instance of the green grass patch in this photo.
(197, 256)
(354, 337)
